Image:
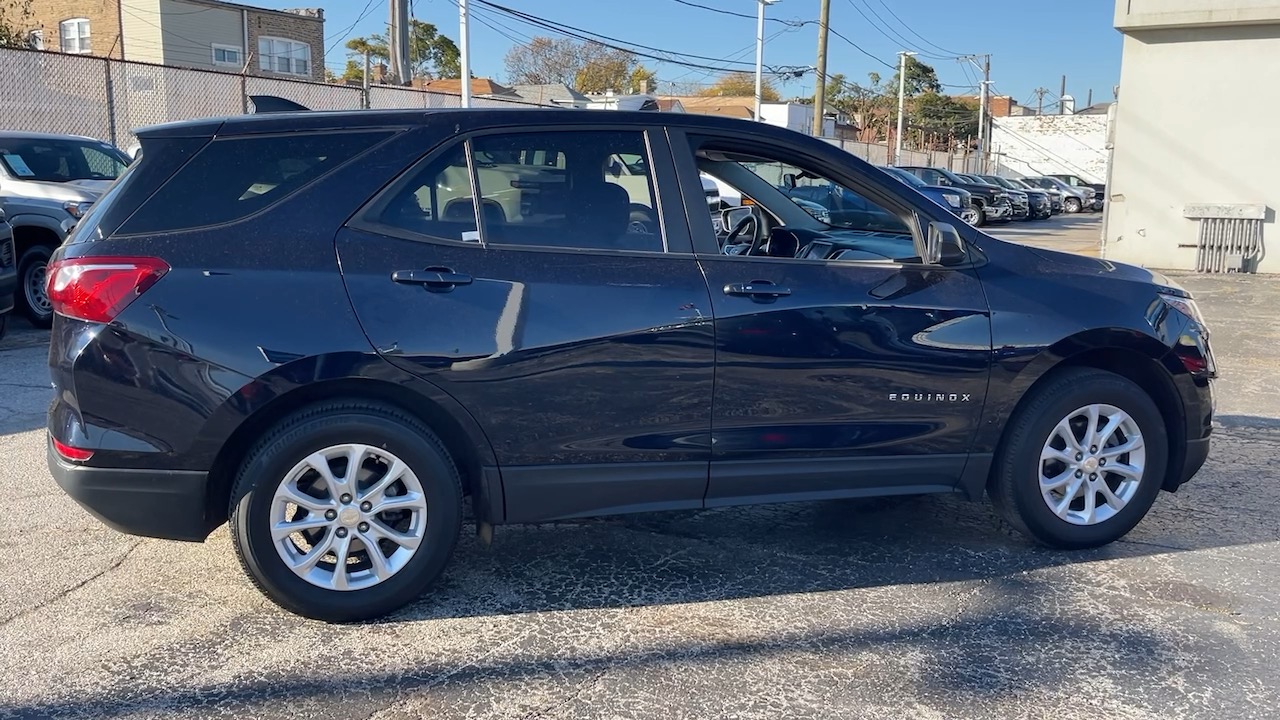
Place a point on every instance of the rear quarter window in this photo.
(233, 178)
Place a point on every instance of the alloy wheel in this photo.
(971, 215)
(1092, 464)
(348, 517)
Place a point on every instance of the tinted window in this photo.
(846, 208)
(61, 160)
(234, 178)
(584, 190)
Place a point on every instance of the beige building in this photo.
(207, 34)
(1193, 181)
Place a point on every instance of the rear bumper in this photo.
(168, 504)
(1197, 453)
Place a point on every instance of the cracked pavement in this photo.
(890, 608)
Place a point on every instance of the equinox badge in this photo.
(930, 397)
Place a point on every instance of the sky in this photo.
(1032, 43)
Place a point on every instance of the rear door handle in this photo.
(757, 290)
(435, 279)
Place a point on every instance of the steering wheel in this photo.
(752, 221)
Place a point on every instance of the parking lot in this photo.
(917, 607)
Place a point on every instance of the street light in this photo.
(760, 53)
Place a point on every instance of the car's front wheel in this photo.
(1072, 205)
(346, 511)
(32, 297)
(972, 215)
(1082, 461)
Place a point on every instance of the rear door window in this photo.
(233, 178)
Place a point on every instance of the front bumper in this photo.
(998, 212)
(168, 504)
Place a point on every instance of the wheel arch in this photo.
(461, 435)
(1139, 358)
(31, 231)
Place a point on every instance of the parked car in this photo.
(8, 271)
(331, 330)
(1037, 200)
(1074, 199)
(48, 182)
(957, 200)
(993, 203)
(1018, 199)
(1055, 195)
(1099, 189)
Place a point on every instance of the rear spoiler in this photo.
(273, 104)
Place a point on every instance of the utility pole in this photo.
(760, 53)
(464, 51)
(902, 103)
(398, 41)
(1040, 93)
(368, 61)
(983, 133)
(820, 87)
(1062, 106)
(1089, 102)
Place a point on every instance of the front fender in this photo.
(1016, 369)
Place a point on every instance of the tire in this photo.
(31, 298)
(971, 216)
(1016, 482)
(981, 218)
(386, 435)
(1071, 205)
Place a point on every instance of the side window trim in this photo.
(674, 234)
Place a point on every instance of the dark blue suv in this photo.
(332, 330)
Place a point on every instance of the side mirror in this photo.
(943, 246)
(730, 218)
(789, 180)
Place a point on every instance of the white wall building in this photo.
(1194, 134)
(795, 116)
(1050, 144)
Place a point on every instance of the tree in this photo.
(643, 80)
(431, 55)
(741, 85)
(587, 67)
(14, 16)
(943, 116)
(921, 78)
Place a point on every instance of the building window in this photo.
(284, 56)
(228, 56)
(75, 36)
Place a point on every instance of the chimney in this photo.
(1068, 105)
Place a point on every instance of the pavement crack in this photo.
(583, 687)
(34, 608)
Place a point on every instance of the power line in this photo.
(859, 48)
(347, 32)
(913, 32)
(623, 45)
(793, 23)
(896, 37)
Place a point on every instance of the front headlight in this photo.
(952, 199)
(1184, 305)
(77, 210)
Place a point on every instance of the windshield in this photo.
(61, 160)
(845, 208)
(905, 177)
(1002, 182)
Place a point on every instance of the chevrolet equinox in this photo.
(332, 330)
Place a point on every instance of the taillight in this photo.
(97, 289)
(73, 454)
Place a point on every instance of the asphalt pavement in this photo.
(902, 608)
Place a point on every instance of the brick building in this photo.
(206, 34)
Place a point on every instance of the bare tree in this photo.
(14, 15)
(587, 67)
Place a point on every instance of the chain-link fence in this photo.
(108, 99)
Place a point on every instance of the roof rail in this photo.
(273, 104)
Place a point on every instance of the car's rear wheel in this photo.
(1072, 205)
(32, 297)
(346, 511)
(1082, 461)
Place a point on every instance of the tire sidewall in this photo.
(1025, 464)
(268, 468)
(1072, 205)
(32, 257)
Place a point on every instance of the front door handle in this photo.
(757, 290)
(435, 279)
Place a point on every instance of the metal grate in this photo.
(1230, 236)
